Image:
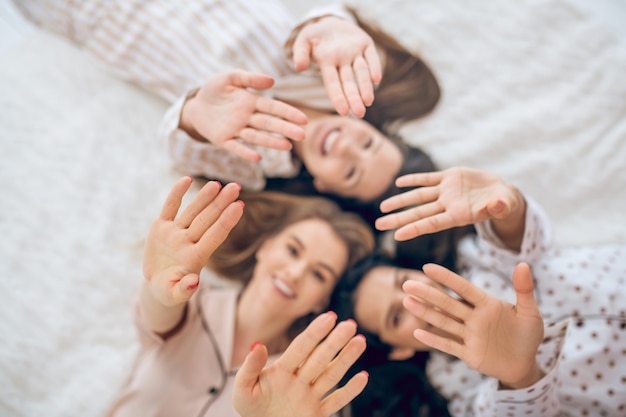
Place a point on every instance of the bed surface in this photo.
(533, 90)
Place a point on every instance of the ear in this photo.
(319, 185)
(401, 353)
(261, 250)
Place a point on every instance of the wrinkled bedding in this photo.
(532, 90)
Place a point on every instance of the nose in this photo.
(296, 270)
(347, 147)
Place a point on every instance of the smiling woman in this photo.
(288, 252)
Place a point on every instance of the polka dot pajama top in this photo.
(581, 292)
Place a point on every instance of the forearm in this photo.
(158, 317)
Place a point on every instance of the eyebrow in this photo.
(323, 265)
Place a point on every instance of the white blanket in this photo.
(533, 90)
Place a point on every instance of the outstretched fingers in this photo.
(351, 89)
(174, 199)
(246, 79)
(318, 361)
(435, 307)
(524, 289)
(341, 397)
(465, 289)
(248, 374)
(409, 216)
(420, 179)
(412, 197)
(203, 198)
(209, 206)
(303, 344)
(364, 81)
(372, 60)
(334, 89)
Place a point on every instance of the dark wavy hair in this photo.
(395, 388)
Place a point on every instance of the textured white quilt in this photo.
(533, 90)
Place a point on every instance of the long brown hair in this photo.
(267, 213)
(408, 90)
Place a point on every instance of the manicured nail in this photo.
(193, 286)
(254, 345)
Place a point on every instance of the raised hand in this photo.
(178, 246)
(490, 335)
(347, 58)
(225, 112)
(299, 383)
(450, 198)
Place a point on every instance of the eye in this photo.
(350, 173)
(397, 315)
(293, 251)
(368, 144)
(319, 276)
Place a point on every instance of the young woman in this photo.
(233, 126)
(229, 125)
(288, 252)
(495, 325)
(344, 156)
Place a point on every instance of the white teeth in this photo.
(330, 140)
(284, 288)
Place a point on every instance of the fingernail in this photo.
(361, 336)
(243, 205)
(254, 345)
(332, 314)
(193, 286)
(498, 207)
(351, 321)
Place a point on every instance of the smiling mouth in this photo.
(329, 141)
(284, 288)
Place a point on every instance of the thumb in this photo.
(301, 53)
(498, 208)
(184, 289)
(524, 289)
(256, 80)
(248, 374)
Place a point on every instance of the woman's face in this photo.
(297, 269)
(348, 157)
(378, 308)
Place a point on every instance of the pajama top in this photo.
(581, 292)
(171, 47)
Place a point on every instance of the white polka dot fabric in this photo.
(581, 292)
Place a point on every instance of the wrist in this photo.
(532, 377)
(186, 118)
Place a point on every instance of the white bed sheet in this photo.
(533, 90)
